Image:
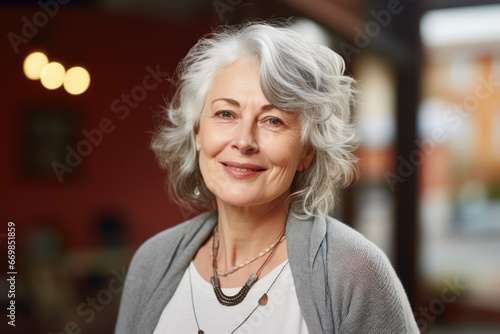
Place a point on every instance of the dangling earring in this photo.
(196, 189)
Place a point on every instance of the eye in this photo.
(274, 121)
(224, 114)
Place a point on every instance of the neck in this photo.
(246, 231)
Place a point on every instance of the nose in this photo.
(246, 139)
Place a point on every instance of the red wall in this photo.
(121, 172)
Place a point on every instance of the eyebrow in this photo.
(235, 103)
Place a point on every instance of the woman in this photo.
(258, 133)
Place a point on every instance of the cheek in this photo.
(211, 146)
(285, 153)
(285, 163)
(210, 143)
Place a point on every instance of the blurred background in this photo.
(82, 81)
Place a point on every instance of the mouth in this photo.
(243, 167)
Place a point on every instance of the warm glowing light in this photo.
(76, 80)
(52, 75)
(33, 65)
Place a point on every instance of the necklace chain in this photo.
(246, 263)
(262, 301)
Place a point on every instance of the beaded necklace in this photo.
(262, 301)
(238, 297)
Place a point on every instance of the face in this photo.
(249, 151)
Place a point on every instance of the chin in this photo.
(238, 199)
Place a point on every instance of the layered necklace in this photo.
(240, 296)
(262, 301)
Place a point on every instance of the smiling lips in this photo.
(242, 171)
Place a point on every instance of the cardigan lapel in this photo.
(306, 248)
(304, 237)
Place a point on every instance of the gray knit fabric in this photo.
(344, 283)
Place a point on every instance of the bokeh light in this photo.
(76, 80)
(52, 75)
(33, 65)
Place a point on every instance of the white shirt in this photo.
(281, 314)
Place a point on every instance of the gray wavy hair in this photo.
(295, 75)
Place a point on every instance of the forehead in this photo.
(241, 76)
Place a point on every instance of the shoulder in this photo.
(363, 274)
(185, 228)
(156, 269)
(167, 253)
(344, 235)
(167, 241)
(349, 259)
(365, 294)
(326, 234)
(346, 243)
(354, 259)
(352, 263)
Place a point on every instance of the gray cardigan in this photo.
(344, 283)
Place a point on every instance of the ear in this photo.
(307, 159)
(197, 139)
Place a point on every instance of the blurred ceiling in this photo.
(186, 6)
(338, 16)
